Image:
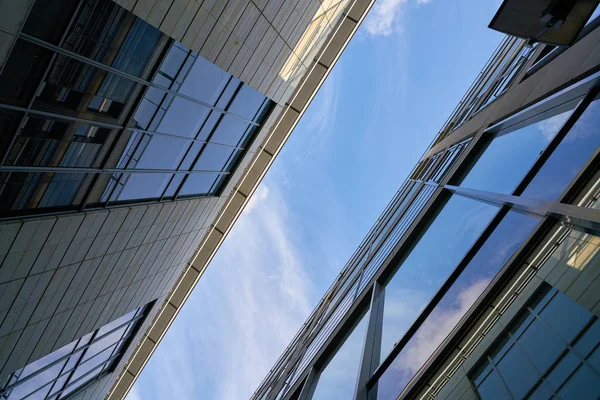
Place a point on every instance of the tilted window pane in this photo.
(205, 81)
(198, 184)
(509, 156)
(538, 362)
(492, 389)
(144, 185)
(162, 152)
(64, 371)
(337, 380)
(474, 279)
(569, 157)
(183, 118)
(428, 265)
(213, 158)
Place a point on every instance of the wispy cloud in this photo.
(385, 17)
(382, 19)
(321, 121)
(253, 298)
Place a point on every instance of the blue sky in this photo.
(397, 82)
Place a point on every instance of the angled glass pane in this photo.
(205, 81)
(66, 370)
(500, 246)
(247, 103)
(569, 157)
(337, 379)
(491, 388)
(429, 264)
(183, 118)
(213, 158)
(198, 184)
(144, 186)
(583, 384)
(163, 152)
(509, 155)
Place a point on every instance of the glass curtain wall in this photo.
(109, 110)
(68, 369)
(459, 247)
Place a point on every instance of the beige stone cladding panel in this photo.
(62, 277)
(268, 44)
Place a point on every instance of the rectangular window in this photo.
(428, 265)
(473, 280)
(551, 350)
(68, 369)
(511, 153)
(337, 379)
(574, 150)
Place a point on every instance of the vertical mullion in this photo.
(372, 343)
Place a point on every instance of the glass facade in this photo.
(337, 379)
(462, 227)
(551, 352)
(111, 111)
(68, 369)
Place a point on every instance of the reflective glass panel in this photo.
(509, 156)
(491, 257)
(535, 362)
(66, 370)
(428, 265)
(337, 380)
(144, 185)
(205, 81)
(569, 157)
(198, 184)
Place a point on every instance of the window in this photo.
(510, 155)
(337, 379)
(551, 350)
(569, 157)
(429, 264)
(474, 279)
(69, 368)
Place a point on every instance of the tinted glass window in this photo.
(509, 156)
(569, 157)
(67, 369)
(434, 257)
(535, 362)
(337, 380)
(474, 279)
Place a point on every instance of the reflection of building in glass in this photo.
(132, 134)
(481, 279)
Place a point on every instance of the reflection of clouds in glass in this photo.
(549, 127)
(435, 329)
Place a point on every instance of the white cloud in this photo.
(383, 16)
(245, 310)
(421, 2)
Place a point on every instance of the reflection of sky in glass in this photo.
(567, 159)
(207, 83)
(338, 380)
(96, 355)
(496, 251)
(428, 265)
(508, 157)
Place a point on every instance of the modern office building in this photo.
(481, 279)
(132, 134)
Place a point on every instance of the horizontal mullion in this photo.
(60, 50)
(79, 170)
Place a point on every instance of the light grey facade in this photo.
(481, 278)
